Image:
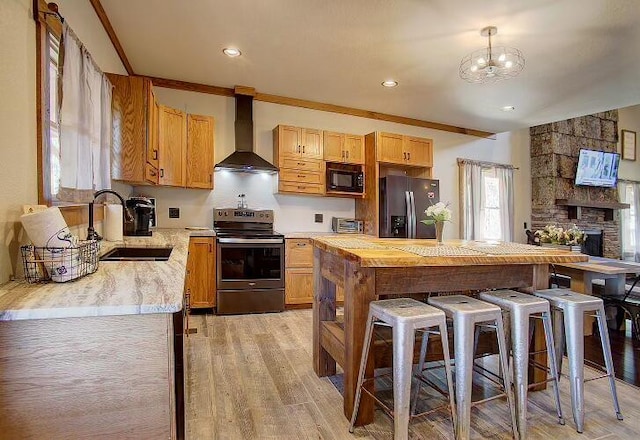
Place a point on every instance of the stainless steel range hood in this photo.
(244, 159)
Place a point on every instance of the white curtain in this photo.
(505, 176)
(630, 241)
(470, 200)
(475, 215)
(85, 124)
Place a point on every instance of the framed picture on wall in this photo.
(628, 145)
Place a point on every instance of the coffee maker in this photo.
(141, 210)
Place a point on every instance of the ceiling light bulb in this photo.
(508, 108)
(481, 61)
(231, 52)
(473, 68)
(508, 64)
(389, 83)
(502, 57)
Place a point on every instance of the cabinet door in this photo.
(354, 149)
(390, 148)
(298, 253)
(311, 143)
(201, 272)
(419, 151)
(173, 147)
(333, 146)
(129, 127)
(298, 286)
(199, 151)
(289, 140)
(152, 129)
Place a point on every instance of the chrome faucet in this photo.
(91, 232)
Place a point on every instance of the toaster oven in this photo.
(347, 225)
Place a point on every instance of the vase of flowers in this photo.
(438, 214)
(570, 238)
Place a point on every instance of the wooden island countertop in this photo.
(367, 267)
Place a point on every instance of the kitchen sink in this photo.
(137, 254)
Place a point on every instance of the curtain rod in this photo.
(628, 181)
(53, 7)
(487, 164)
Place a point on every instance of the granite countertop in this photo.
(116, 288)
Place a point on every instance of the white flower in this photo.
(439, 212)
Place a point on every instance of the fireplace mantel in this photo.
(575, 212)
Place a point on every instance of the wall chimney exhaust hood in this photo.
(244, 159)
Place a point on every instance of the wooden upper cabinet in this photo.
(354, 149)
(200, 283)
(390, 148)
(419, 151)
(173, 146)
(311, 143)
(404, 150)
(152, 130)
(200, 131)
(345, 148)
(305, 143)
(130, 107)
(333, 146)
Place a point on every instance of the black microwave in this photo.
(345, 180)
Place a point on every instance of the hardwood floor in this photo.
(625, 351)
(250, 377)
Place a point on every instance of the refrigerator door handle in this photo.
(414, 230)
(407, 197)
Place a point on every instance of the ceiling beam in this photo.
(314, 105)
(106, 24)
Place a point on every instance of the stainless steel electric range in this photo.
(249, 262)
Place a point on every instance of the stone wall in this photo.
(555, 148)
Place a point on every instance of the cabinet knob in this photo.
(301, 164)
(303, 149)
(408, 156)
(161, 172)
(347, 154)
(404, 155)
(301, 176)
(155, 154)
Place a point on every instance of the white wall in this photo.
(18, 177)
(295, 213)
(629, 119)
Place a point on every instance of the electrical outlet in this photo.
(174, 212)
(319, 218)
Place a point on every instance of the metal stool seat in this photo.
(467, 313)
(569, 306)
(404, 316)
(521, 307)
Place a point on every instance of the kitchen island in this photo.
(367, 268)
(100, 356)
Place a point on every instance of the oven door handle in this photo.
(251, 240)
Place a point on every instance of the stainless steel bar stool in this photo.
(569, 306)
(521, 307)
(467, 313)
(404, 316)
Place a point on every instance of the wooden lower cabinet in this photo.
(201, 272)
(100, 376)
(298, 286)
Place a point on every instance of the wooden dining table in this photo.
(367, 267)
(582, 274)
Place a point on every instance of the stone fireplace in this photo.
(555, 148)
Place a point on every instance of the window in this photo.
(629, 224)
(486, 200)
(490, 211)
(52, 110)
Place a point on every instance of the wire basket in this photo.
(42, 264)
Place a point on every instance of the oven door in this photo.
(250, 263)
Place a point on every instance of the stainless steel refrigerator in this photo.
(403, 201)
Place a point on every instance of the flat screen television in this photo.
(597, 168)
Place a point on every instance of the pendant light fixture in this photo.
(492, 63)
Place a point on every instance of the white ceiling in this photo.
(582, 56)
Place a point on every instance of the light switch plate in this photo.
(174, 212)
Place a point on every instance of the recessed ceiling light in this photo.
(508, 108)
(231, 52)
(389, 83)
